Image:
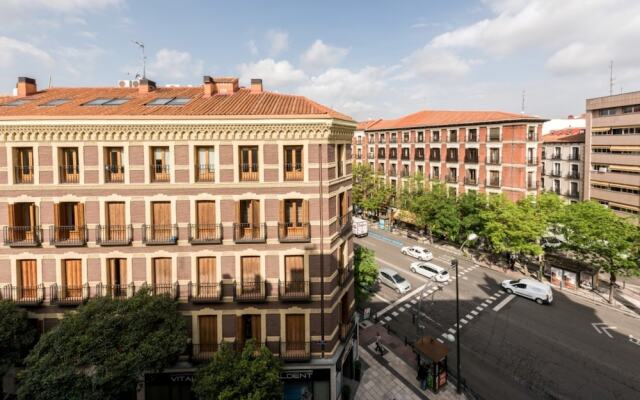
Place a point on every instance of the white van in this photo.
(359, 227)
(530, 288)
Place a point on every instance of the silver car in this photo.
(394, 280)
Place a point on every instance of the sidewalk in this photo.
(393, 375)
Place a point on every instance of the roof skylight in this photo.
(169, 101)
(16, 103)
(106, 102)
(55, 102)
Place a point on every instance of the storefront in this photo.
(306, 384)
(432, 363)
(569, 273)
(169, 386)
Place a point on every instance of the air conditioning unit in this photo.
(602, 169)
(135, 83)
(126, 83)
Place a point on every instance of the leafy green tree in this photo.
(603, 239)
(365, 272)
(104, 348)
(16, 335)
(470, 206)
(436, 211)
(370, 191)
(254, 375)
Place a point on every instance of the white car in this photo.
(418, 252)
(394, 280)
(530, 288)
(430, 271)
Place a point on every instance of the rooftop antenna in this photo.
(144, 58)
(611, 79)
(523, 101)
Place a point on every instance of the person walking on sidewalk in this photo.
(379, 348)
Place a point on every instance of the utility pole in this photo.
(144, 58)
(454, 264)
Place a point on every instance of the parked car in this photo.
(359, 227)
(418, 252)
(430, 270)
(530, 288)
(394, 280)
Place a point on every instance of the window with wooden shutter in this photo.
(208, 329)
(23, 168)
(161, 220)
(250, 274)
(114, 167)
(116, 225)
(162, 275)
(160, 164)
(72, 279)
(294, 275)
(293, 165)
(207, 283)
(295, 331)
(248, 163)
(69, 168)
(205, 167)
(117, 276)
(27, 279)
(249, 326)
(206, 220)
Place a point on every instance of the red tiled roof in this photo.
(434, 118)
(241, 104)
(367, 124)
(568, 135)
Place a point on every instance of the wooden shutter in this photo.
(295, 328)
(250, 269)
(281, 212)
(238, 213)
(305, 211)
(256, 328)
(28, 275)
(206, 270)
(72, 273)
(239, 329)
(115, 214)
(79, 215)
(208, 327)
(161, 213)
(162, 271)
(117, 274)
(206, 211)
(11, 215)
(294, 268)
(255, 212)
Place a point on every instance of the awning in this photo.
(599, 129)
(631, 168)
(611, 203)
(431, 348)
(625, 148)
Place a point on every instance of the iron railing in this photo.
(160, 173)
(451, 178)
(23, 295)
(251, 291)
(205, 173)
(248, 171)
(493, 183)
(293, 172)
(294, 291)
(532, 161)
(573, 175)
(69, 173)
(295, 351)
(345, 329)
(205, 292)
(205, 233)
(22, 236)
(434, 157)
(470, 181)
(294, 232)
(249, 233)
(116, 291)
(114, 235)
(68, 295)
(555, 173)
(493, 161)
(573, 194)
(160, 234)
(114, 173)
(472, 137)
(68, 235)
(23, 174)
(165, 289)
(419, 155)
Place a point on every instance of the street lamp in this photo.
(454, 264)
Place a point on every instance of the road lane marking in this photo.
(479, 308)
(489, 301)
(492, 298)
(394, 313)
(387, 318)
(598, 326)
(465, 278)
(474, 312)
(451, 330)
(401, 309)
(468, 316)
(382, 298)
(440, 340)
(399, 301)
(504, 302)
(464, 321)
(413, 301)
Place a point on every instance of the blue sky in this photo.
(368, 59)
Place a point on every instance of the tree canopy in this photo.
(101, 350)
(365, 272)
(16, 335)
(370, 192)
(252, 375)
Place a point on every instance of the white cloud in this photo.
(433, 62)
(25, 12)
(278, 41)
(13, 51)
(274, 73)
(321, 55)
(253, 48)
(176, 65)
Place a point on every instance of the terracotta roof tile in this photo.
(568, 135)
(241, 104)
(367, 124)
(435, 118)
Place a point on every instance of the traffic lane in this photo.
(561, 360)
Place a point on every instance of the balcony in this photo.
(393, 155)
(23, 295)
(205, 233)
(471, 160)
(451, 179)
(381, 140)
(532, 161)
(370, 155)
(573, 175)
(380, 153)
(574, 157)
(556, 156)
(345, 330)
(248, 172)
(159, 234)
(419, 156)
(69, 295)
(532, 136)
(294, 172)
(435, 139)
(201, 293)
(251, 291)
(393, 172)
(405, 156)
(114, 235)
(555, 173)
(493, 161)
(115, 291)
(294, 291)
(68, 235)
(160, 173)
(472, 138)
(205, 173)
(434, 176)
(289, 232)
(249, 233)
(532, 186)
(405, 174)
(493, 183)
(69, 174)
(393, 140)
(470, 181)
(359, 141)
(295, 351)
(203, 352)
(573, 194)
(344, 221)
(452, 158)
(494, 137)
(114, 174)
(165, 289)
(22, 236)
(23, 174)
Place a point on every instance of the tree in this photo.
(436, 211)
(370, 191)
(254, 375)
(104, 348)
(603, 239)
(365, 272)
(16, 335)
(470, 206)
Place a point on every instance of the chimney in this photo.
(146, 86)
(209, 87)
(256, 85)
(26, 86)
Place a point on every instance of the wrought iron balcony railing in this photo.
(69, 173)
(294, 291)
(68, 235)
(68, 295)
(160, 173)
(249, 233)
(251, 291)
(248, 172)
(294, 232)
(205, 233)
(116, 291)
(159, 234)
(205, 173)
(22, 236)
(205, 292)
(23, 174)
(165, 289)
(114, 235)
(23, 295)
(293, 172)
(114, 173)
(295, 351)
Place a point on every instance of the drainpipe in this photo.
(321, 252)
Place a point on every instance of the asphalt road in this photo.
(513, 348)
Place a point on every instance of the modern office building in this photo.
(563, 163)
(613, 152)
(235, 201)
(483, 151)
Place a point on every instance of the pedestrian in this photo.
(379, 348)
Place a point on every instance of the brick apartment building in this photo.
(490, 152)
(613, 153)
(563, 163)
(235, 201)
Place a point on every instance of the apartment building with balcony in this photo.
(489, 152)
(563, 163)
(613, 152)
(234, 201)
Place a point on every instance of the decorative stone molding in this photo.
(172, 132)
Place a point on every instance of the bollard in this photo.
(405, 341)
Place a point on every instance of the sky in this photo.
(368, 59)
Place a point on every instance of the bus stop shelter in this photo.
(432, 358)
